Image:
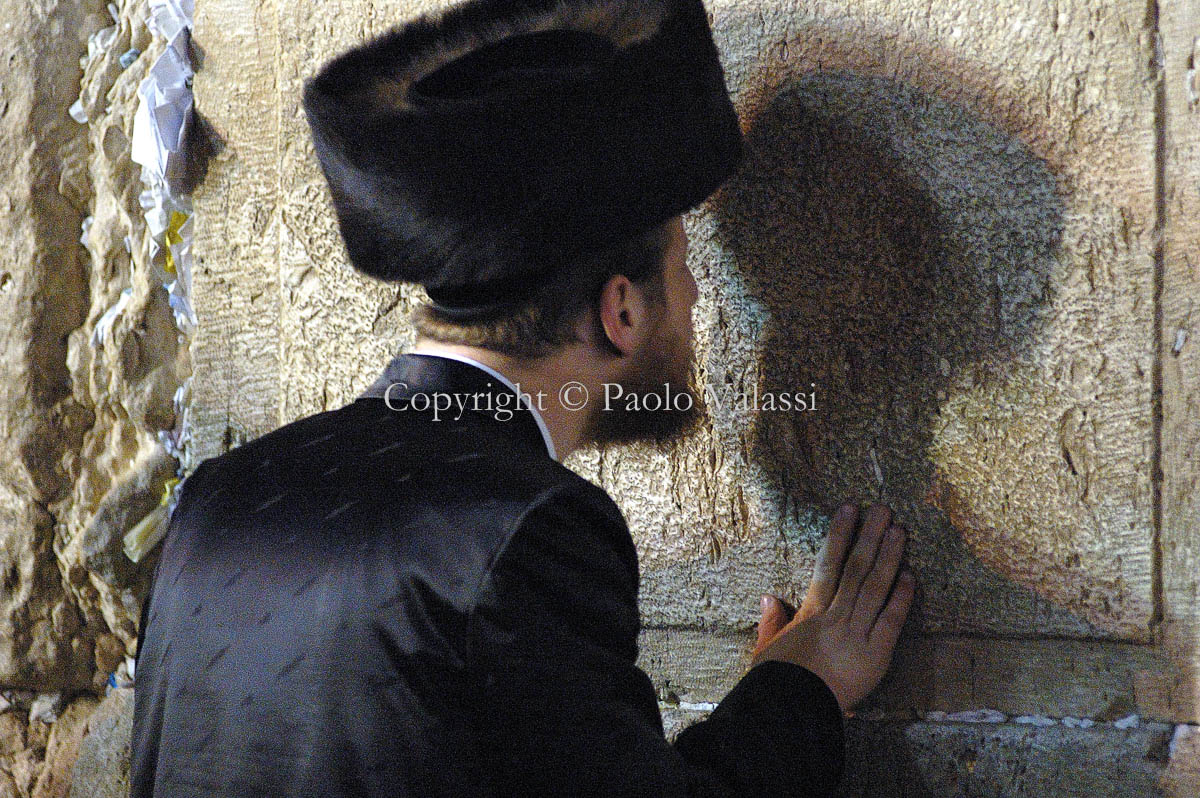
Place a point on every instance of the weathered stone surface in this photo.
(78, 415)
(1179, 360)
(914, 232)
(12, 733)
(1005, 760)
(110, 651)
(38, 735)
(43, 297)
(25, 769)
(102, 767)
(128, 380)
(1183, 768)
(237, 347)
(1103, 681)
(63, 748)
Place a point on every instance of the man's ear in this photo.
(624, 314)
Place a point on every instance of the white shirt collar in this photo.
(536, 415)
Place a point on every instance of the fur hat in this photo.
(476, 149)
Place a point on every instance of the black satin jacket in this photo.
(371, 602)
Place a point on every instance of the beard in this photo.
(658, 403)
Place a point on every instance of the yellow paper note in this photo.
(178, 218)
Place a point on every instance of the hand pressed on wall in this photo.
(847, 626)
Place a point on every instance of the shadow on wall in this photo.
(896, 239)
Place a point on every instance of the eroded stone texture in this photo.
(236, 348)
(83, 461)
(43, 297)
(127, 380)
(323, 301)
(101, 768)
(62, 749)
(1056, 678)
(1005, 760)
(954, 248)
(1179, 358)
(82, 464)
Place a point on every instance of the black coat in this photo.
(369, 602)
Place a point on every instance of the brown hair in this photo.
(547, 320)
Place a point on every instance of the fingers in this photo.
(874, 590)
(828, 568)
(774, 618)
(886, 631)
(789, 611)
(860, 560)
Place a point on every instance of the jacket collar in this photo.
(481, 395)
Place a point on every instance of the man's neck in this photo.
(542, 382)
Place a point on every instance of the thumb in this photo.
(773, 619)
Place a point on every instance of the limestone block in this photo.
(77, 413)
(237, 347)
(38, 735)
(128, 501)
(110, 651)
(1004, 760)
(128, 379)
(42, 299)
(25, 769)
(12, 733)
(63, 748)
(1178, 463)
(102, 768)
(1100, 680)
(1183, 766)
(954, 254)
(942, 231)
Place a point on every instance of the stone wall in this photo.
(968, 228)
(82, 407)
